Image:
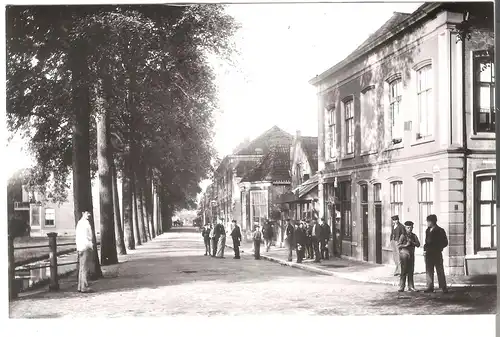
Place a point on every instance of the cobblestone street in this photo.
(170, 276)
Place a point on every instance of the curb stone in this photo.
(357, 278)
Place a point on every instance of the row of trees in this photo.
(117, 92)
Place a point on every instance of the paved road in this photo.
(170, 276)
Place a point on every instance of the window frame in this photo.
(422, 218)
(393, 100)
(480, 57)
(428, 92)
(332, 152)
(349, 125)
(265, 206)
(392, 202)
(345, 205)
(477, 207)
(45, 223)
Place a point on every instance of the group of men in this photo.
(404, 242)
(308, 238)
(214, 238)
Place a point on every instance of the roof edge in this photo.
(416, 16)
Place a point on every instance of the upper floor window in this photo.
(396, 198)
(395, 115)
(349, 126)
(424, 101)
(485, 224)
(484, 93)
(332, 146)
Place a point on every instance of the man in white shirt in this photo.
(84, 248)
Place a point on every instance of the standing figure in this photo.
(435, 241)
(268, 235)
(222, 241)
(257, 238)
(236, 236)
(397, 230)
(289, 232)
(206, 238)
(407, 243)
(215, 239)
(316, 238)
(84, 247)
(300, 241)
(325, 237)
(309, 248)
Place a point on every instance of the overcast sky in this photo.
(282, 47)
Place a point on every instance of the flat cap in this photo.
(395, 217)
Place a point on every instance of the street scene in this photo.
(262, 159)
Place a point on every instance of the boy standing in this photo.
(206, 238)
(406, 244)
(257, 238)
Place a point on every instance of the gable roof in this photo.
(310, 147)
(397, 23)
(274, 135)
(274, 166)
(245, 166)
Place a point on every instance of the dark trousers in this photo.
(256, 248)
(207, 246)
(268, 242)
(407, 260)
(300, 253)
(236, 248)
(315, 244)
(214, 246)
(309, 249)
(434, 260)
(324, 249)
(289, 247)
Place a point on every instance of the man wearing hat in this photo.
(397, 230)
(236, 235)
(257, 239)
(325, 237)
(435, 241)
(289, 232)
(406, 244)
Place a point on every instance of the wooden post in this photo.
(12, 270)
(54, 278)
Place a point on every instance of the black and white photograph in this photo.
(231, 159)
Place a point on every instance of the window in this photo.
(484, 93)
(364, 194)
(486, 220)
(345, 209)
(425, 204)
(259, 207)
(396, 198)
(331, 133)
(377, 188)
(349, 126)
(50, 217)
(368, 120)
(395, 115)
(424, 101)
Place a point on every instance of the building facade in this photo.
(406, 127)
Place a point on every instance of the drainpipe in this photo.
(464, 140)
(497, 97)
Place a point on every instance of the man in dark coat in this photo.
(397, 230)
(236, 236)
(435, 241)
(300, 241)
(325, 237)
(289, 231)
(206, 238)
(268, 235)
(316, 238)
(215, 239)
(309, 248)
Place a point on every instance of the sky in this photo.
(281, 47)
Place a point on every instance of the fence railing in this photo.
(51, 256)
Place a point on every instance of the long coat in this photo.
(236, 235)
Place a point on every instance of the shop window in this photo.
(345, 210)
(258, 206)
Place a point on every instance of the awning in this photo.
(308, 186)
(286, 197)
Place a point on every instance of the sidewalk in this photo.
(361, 271)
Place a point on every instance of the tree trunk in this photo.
(108, 239)
(149, 207)
(127, 204)
(155, 211)
(120, 243)
(82, 186)
(134, 211)
(140, 209)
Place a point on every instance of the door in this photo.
(364, 219)
(378, 233)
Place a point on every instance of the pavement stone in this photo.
(170, 276)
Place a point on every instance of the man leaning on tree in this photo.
(84, 247)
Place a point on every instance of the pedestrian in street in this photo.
(215, 239)
(289, 231)
(206, 238)
(325, 237)
(407, 243)
(236, 236)
(222, 241)
(268, 235)
(257, 238)
(300, 241)
(435, 241)
(316, 238)
(309, 248)
(397, 230)
(84, 247)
